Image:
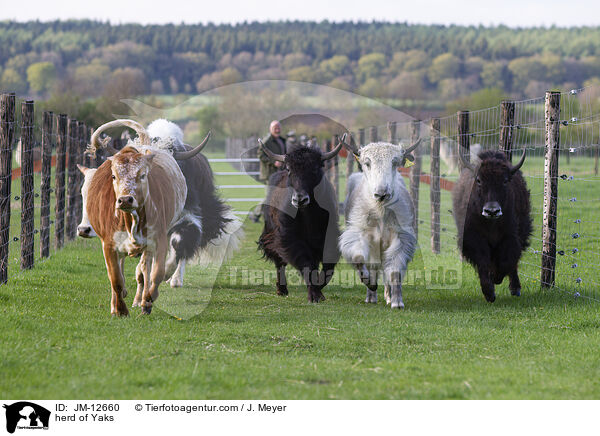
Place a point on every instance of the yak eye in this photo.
(478, 180)
(367, 163)
(114, 177)
(143, 176)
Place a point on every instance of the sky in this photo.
(513, 13)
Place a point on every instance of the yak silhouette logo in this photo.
(26, 415)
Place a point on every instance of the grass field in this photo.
(241, 340)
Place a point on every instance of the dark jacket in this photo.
(266, 166)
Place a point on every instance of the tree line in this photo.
(86, 59)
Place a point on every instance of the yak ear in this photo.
(408, 160)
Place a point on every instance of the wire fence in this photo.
(39, 152)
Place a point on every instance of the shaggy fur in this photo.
(379, 235)
(493, 246)
(303, 237)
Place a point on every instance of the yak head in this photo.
(130, 170)
(492, 182)
(381, 162)
(304, 167)
(84, 229)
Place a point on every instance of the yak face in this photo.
(84, 229)
(380, 164)
(130, 178)
(492, 185)
(304, 172)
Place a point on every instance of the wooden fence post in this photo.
(415, 172)
(27, 209)
(392, 132)
(87, 159)
(59, 184)
(45, 184)
(334, 176)
(373, 134)
(7, 128)
(552, 112)
(435, 185)
(507, 122)
(81, 146)
(349, 157)
(464, 141)
(73, 141)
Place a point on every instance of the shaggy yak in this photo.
(492, 213)
(301, 220)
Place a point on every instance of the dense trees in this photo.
(93, 59)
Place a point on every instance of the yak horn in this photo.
(465, 162)
(182, 155)
(520, 163)
(97, 143)
(413, 146)
(273, 156)
(331, 154)
(351, 147)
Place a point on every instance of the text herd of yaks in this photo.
(156, 199)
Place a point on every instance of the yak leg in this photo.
(355, 249)
(176, 280)
(515, 283)
(387, 294)
(122, 263)
(326, 274)
(370, 280)
(281, 279)
(487, 286)
(140, 271)
(157, 275)
(312, 278)
(117, 281)
(395, 290)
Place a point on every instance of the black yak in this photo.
(301, 220)
(492, 213)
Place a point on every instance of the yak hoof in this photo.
(490, 298)
(146, 310)
(399, 305)
(282, 290)
(174, 283)
(316, 297)
(515, 292)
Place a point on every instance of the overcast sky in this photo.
(513, 13)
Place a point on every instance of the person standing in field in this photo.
(276, 143)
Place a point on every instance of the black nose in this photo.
(126, 199)
(492, 212)
(381, 196)
(302, 200)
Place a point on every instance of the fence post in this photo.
(45, 184)
(27, 184)
(464, 141)
(507, 122)
(349, 158)
(7, 128)
(334, 175)
(81, 146)
(73, 141)
(415, 172)
(435, 185)
(596, 155)
(373, 134)
(552, 112)
(392, 131)
(59, 183)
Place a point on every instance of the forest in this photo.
(71, 64)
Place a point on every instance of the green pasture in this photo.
(239, 339)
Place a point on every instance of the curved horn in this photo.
(272, 156)
(468, 165)
(413, 146)
(97, 143)
(351, 147)
(182, 155)
(520, 163)
(331, 154)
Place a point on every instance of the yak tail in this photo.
(221, 248)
